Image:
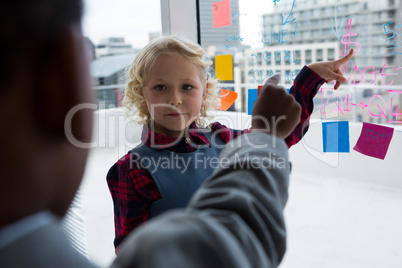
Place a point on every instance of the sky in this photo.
(121, 18)
(133, 19)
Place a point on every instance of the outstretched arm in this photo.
(306, 86)
(331, 70)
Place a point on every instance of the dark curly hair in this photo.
(29, 27)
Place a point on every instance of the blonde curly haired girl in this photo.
(138, 76)
(169, 91)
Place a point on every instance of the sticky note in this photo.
(335, 136)
(224, 67)
(221, 13)
(259, 89)
(252, 96)
(374, 140)
(227, 97)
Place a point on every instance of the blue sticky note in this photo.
(252, 96)
(335, 136)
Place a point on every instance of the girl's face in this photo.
(174, 94)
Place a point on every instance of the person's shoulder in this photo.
(129, 156)
(216, 126)
(124, 164)
(28, 250)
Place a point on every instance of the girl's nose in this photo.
(175, 98)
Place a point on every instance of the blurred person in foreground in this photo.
(234, 220)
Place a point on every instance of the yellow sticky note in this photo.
(224, 67)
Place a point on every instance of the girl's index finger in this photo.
(346, 58)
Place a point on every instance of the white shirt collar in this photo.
(16, 230)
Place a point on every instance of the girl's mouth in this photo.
(175, 114)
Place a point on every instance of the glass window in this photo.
(260, 58)
(328, 11)
(267, 57)
(342, 9)
(278, 57)
(378, 62)
(308, 54)
(285, 37)
(363, 61)
(331, 54)
(297, 56)
(365, 6)
(287, 57)
(320, 54)
(112, 44)
(378, 49)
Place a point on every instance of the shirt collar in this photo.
(16, 230)
(159, 141)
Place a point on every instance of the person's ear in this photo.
(64, 83)
(204, 95)
(140, 91)
(143, 102)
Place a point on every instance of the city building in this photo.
(113, 46)
(324, 25)
(90, 49)
(153, 35)
(297, 33)
(222, 39)
(343, 208)
(108, 77)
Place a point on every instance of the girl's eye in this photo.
(160, 87)
(187, 87)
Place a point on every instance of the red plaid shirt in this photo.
(133, 189)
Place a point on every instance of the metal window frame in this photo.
(181, 17)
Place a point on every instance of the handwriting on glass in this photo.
(344, 106)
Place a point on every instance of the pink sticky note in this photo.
(221, 13)
(374, 140)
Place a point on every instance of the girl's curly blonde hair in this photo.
(137, 75)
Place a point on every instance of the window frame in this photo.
(180, 17)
